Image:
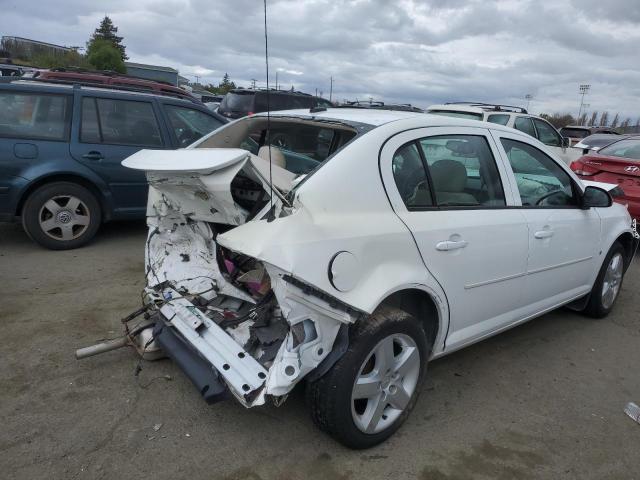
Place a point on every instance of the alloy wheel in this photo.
(612, 280)
(385, 383)
(64, 217)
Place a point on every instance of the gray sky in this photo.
(422, 52)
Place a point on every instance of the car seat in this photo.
(449, 181)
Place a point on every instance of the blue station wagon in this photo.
(60, 151)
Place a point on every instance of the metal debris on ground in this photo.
(633, 411)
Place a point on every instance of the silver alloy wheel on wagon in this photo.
(64, 217)
(612, 280)
(385, 383)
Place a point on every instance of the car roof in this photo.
(376, 118)
(368, 116)
(67, 87)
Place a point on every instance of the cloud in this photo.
(422, 52)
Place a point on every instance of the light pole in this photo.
(528, 97)
(584, 88)
(331, 90)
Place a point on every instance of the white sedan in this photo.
(375, 242)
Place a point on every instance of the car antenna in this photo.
(271, 214)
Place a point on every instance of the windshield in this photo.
(452, 113)
(629, 148)
(238, 102)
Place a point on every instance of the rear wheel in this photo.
(370, 391)
(608, 283)
(61, 215)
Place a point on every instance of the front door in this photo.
(447, 188)
(110, 131)
(563, 246)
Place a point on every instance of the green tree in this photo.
(107, 31)
(225, 85)
(104, 56)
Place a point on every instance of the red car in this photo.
(617, 163)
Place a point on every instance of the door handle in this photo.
(543, 234)
(93, 156)
(451, 245)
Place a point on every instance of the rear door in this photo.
(563, 238)
(446, 186)
(111, 129)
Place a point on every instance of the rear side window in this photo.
(524, 124)
(119, 122)
(35, 116)
(189, 124)
(463, 171)
(500, 119)
(547, 134)
(411, 177)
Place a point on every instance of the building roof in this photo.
(37, 42)
(145, 66)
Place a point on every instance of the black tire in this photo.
(330, 397)
(68, 232)
(596, 307)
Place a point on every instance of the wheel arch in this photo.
(102, 198)
(422, 305)
(629, 243)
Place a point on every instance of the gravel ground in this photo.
(544, 400)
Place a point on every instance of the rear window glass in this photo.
(500, 119)
(624, 148)
(34, 116)
(238, 102)
(451, 113)
(574, 132)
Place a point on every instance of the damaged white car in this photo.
(359, 246)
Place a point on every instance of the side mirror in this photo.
(566, 142)
(596, 197)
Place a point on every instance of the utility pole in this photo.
(276, 79)
(528, 97)
(584, 88)
(331, 90)
(253, 84)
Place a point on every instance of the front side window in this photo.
(525, 125)
(547, 134)
(541, 181)
(463, 171)
(411, 177)
(499, 118)
(189, 124)
(119, 122)
(35, 116)
(624, 148)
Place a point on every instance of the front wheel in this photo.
(372, 388)
(608, 283)
(61, 215)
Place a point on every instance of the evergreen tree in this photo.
(107, 31)
(226, 85)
